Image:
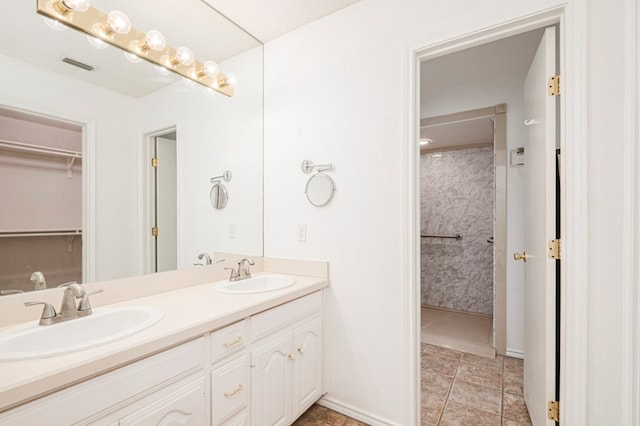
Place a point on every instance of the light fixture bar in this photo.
(86, 22)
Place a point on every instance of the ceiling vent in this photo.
(78, 64)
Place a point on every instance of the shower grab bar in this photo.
(453, 237)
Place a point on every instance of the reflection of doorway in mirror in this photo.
(164, 205)
(41, 226)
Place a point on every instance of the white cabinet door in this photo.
(271, 377)
(307, 365)
(183, 406)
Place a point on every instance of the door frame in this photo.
(572, 24)
(147, 208)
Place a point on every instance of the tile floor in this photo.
(458, 389)
(464, 331)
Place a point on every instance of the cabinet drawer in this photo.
(240, 419)
(229, 388)
(229, 340)
(266, 322)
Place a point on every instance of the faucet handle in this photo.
(84, 305)
(48, 313)
(233, 275)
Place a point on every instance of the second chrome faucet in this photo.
(243, 271)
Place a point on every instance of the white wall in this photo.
(335, 91)
(113, 116)
(482, 93)
(215, 133)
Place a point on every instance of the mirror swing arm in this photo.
(320, 187)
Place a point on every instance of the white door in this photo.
(540, 214)
(166, 202)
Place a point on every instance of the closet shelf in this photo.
(39, 149)
(40, 233)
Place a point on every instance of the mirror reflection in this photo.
(117, 215)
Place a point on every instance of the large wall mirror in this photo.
(80, 125)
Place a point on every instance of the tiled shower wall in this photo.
(457, 197)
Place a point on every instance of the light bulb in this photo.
(228, 80)
(117, 22)
(209, 69)
(153, 40)
(184, 56)
(53, 24)
(134, 59)
(76, 5)
(97, 43)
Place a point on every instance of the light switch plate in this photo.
(302, 233)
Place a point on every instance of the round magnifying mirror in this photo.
(218, 196)
(319, 189)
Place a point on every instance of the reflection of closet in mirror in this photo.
(41, 192)
(164, 201)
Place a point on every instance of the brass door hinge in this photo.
(553, 411)
(154, 231)
(154, 162)
(554, 249)
(553, 85)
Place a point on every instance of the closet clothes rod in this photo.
(38, 149)
(41, 233)
(453, 237)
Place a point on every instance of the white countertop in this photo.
(188, 313)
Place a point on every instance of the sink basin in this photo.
(257, 284)
(105, 325)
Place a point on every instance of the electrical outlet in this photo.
(302, 233)
(232, 230)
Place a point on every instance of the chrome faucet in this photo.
(243, 271)
(206, 257)
(68, 310)
(39, 283)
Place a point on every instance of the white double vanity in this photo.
(214, 358)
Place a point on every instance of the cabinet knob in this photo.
(300, 351)
(291, 357)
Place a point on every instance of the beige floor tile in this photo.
(443, 352)
(435, 391)
(513, 366)
(482, 361)
(438, 364)
(514, 408)
(507, 422)
(461, 415)
(353, 422)
(476, 396)
(480, 375)
(318, 415)
(512, 383)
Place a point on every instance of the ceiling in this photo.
(502, 60)
(192, 23)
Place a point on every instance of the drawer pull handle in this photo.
(235, 342)
(230, 394)
(300, 350)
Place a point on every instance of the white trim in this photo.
(89, 202)
(573, 36)
(574, 205)
(514, 353)
(411, 241)
(630, 223)
(349, 410)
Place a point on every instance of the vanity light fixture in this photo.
(54, 24)
(115, 28)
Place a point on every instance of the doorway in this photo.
(463, 230)
(161, 158)
(492, 73)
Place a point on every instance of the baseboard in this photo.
(348, 410)
(515, 353)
